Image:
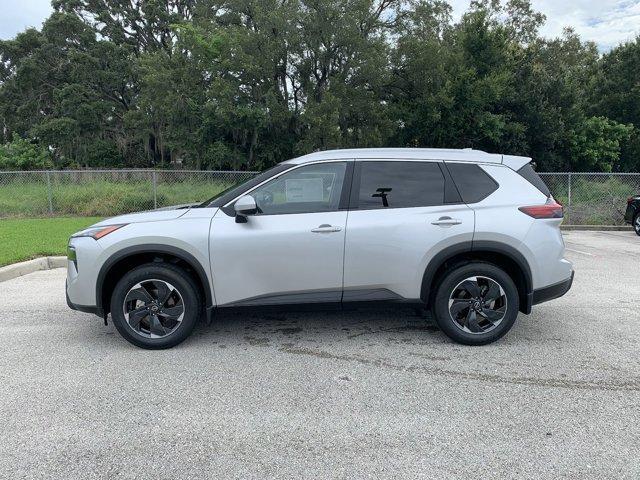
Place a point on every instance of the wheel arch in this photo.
(500, 254)
(131, 257)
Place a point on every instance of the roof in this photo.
(464, 155)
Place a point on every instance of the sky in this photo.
(606, 22)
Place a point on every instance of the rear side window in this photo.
(474, 184)
(399, 185)
(529, 174)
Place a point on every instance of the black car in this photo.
(632, 215)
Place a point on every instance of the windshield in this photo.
(233, 191)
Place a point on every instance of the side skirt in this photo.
(319, 307)
(321, 301)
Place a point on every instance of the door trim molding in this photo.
(295, 298)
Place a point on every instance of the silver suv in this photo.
(472, 236)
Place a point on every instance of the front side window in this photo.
(399, 184)
(236, 189)
(307, 189)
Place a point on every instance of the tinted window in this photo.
(400, 184)
(474, 184)
(529, 174)
(312, 188)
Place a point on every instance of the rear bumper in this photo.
(552, 291)
(629, 213)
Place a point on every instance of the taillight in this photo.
(629, 200)
(551, 209)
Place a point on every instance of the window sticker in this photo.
(331, 177)
(304, 190)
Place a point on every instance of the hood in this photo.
(165, 213)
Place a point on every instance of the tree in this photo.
(245, 84)
(66, 90)
(596, 145)
(615, 93)
(551, 97)
(456, 86)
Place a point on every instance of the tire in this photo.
(481, 321)
(136, 307)
(636, 224)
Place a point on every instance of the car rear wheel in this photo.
(636, 224)
(156, 305)
(476, 303)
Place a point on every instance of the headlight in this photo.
(97, 232)
(71, 255)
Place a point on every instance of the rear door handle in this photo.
(446, 222)
(326, 228)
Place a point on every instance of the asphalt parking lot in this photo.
(364, 394)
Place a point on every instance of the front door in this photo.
(292, 250)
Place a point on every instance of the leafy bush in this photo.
(21, 154)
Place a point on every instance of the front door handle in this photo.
(446, 222)
(326, 228)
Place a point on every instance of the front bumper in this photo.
(80, 286)
(82, 308)
(550, 292)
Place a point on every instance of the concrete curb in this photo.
(23, 268)
(596, 228)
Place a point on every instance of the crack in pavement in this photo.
(628, 386)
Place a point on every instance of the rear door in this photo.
(401, 214)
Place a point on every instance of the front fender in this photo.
(186, 239)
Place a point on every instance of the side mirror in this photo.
(245, 205)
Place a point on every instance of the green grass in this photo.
(99, 198)
(23, 239)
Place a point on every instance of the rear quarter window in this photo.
(529, 174)
(473, 183)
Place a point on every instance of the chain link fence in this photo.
(588, 198)
(593, 198)
(105, 193)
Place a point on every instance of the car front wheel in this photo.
(476, 303)
(156, 305)
(636, 224)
